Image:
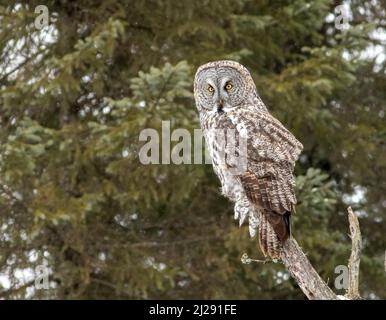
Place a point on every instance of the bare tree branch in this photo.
(353, 263)
(304, 273)
(309, 281)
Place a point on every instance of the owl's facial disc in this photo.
(220, 89)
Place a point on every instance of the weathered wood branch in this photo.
(301, 269)
(354, 261)
(309, 281)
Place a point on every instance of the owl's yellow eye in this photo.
(210, 88)
(228, 86)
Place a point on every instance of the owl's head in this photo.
(222, 85)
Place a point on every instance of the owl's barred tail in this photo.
(274, 230)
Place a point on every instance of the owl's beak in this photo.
(220, 105)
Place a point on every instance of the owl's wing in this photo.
(267, 137)
(274, 199)
(270, 192)
(272, 152)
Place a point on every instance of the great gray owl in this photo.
(263, 191)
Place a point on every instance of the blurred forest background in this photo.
(75, 94)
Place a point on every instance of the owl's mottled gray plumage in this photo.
(226, 98)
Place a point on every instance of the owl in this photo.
(263, 190)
